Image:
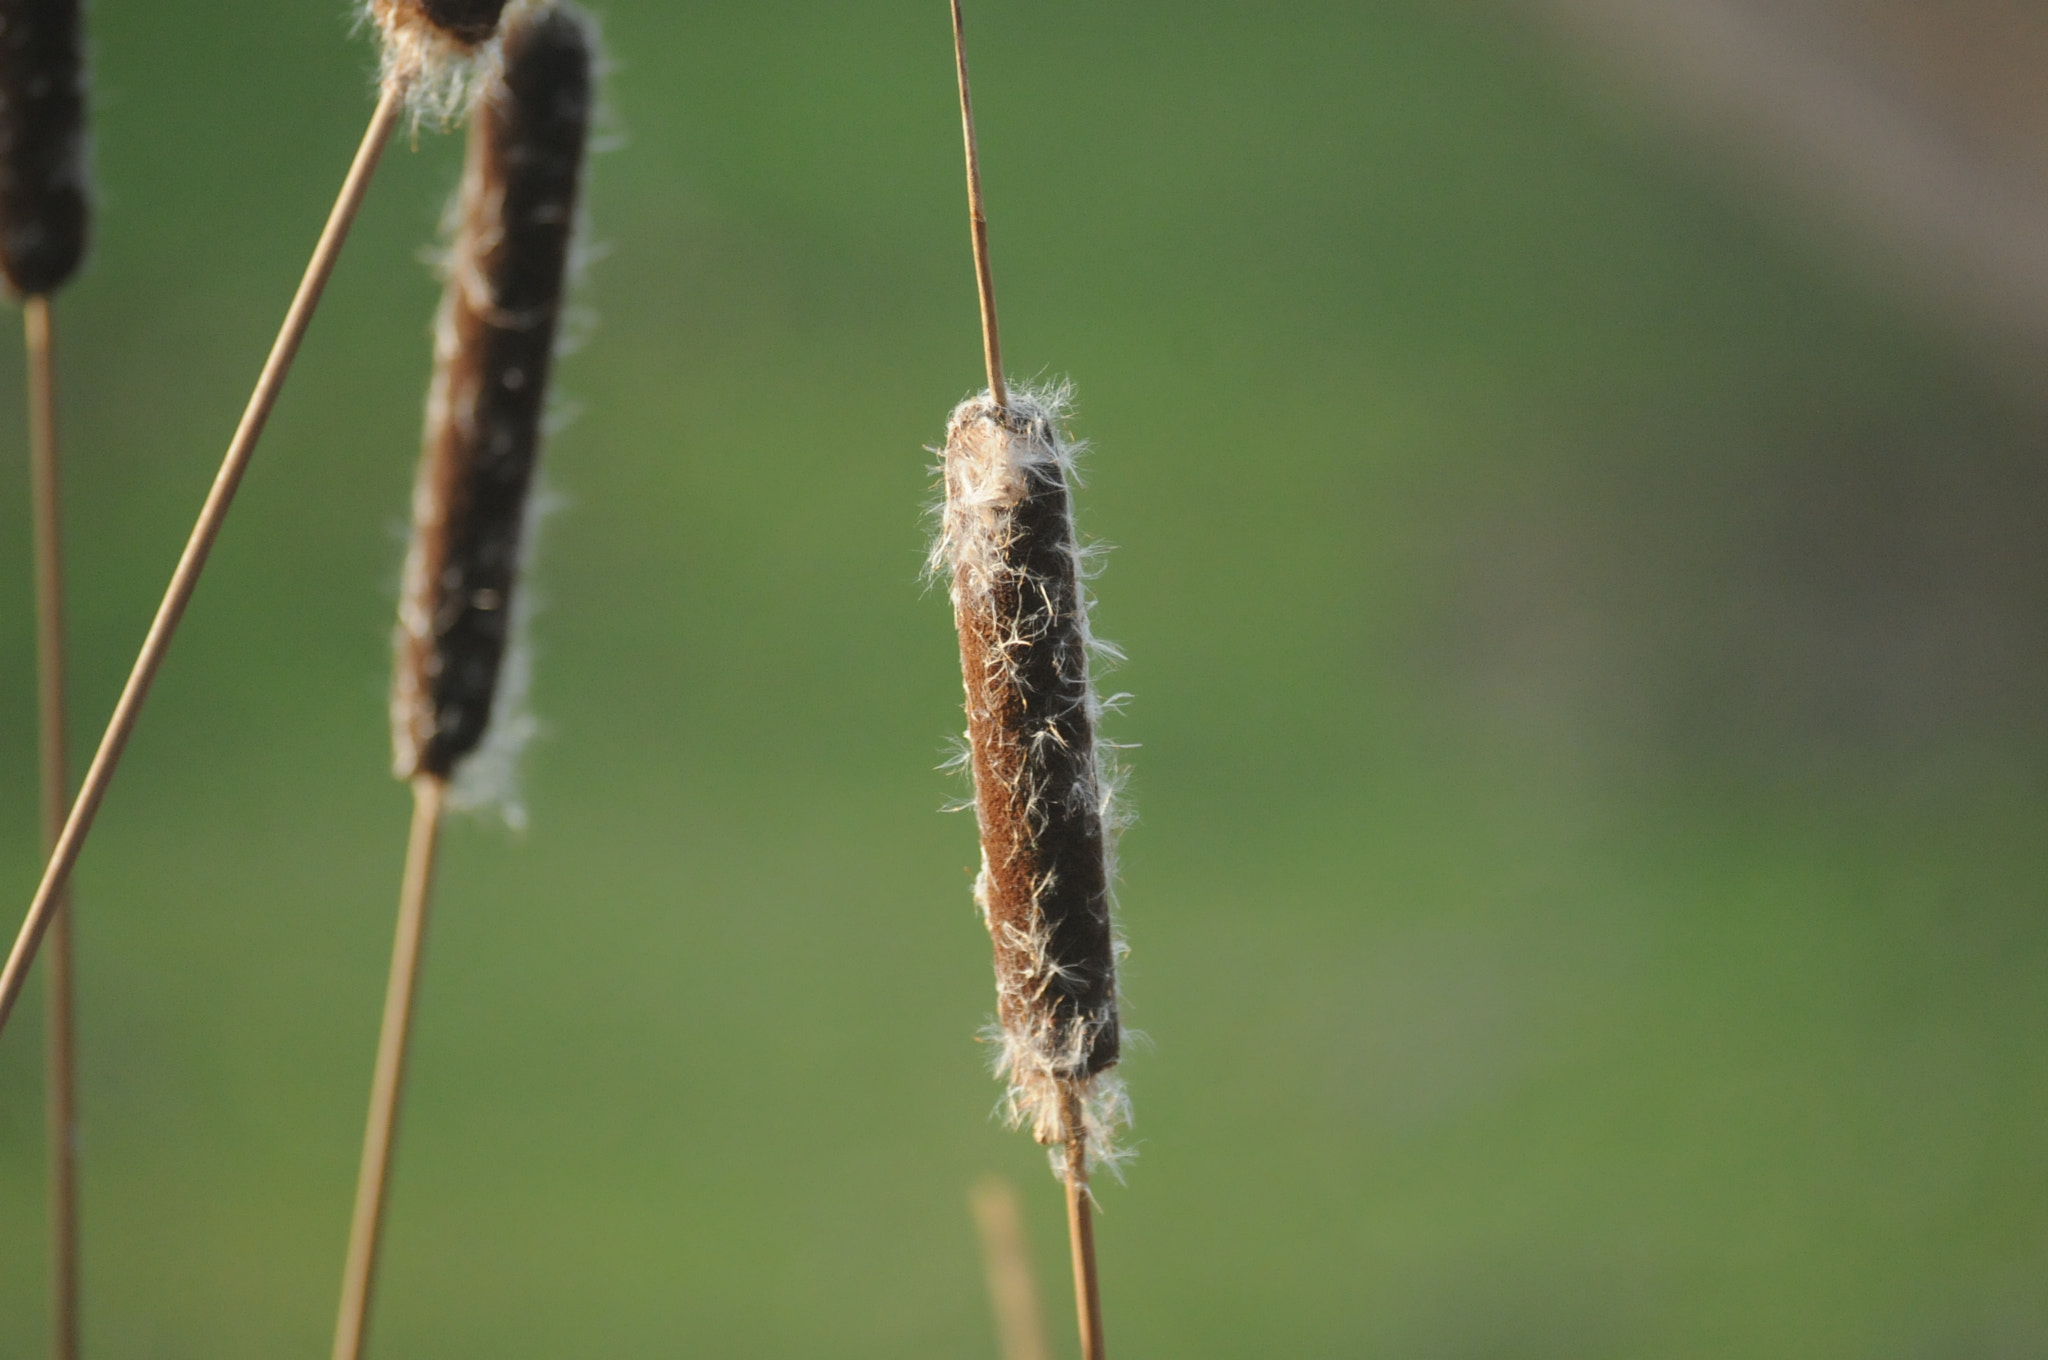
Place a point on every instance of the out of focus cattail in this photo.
(494, 347)
(1044, 800)
(493, 351)
(43, 190)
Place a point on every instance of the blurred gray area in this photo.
(1920, 128)
(1866, 575)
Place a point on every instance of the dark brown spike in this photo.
(469, 21)
(44, 196)
(1022, 619)
(495, 346)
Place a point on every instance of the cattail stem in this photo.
(1012, 1293)
(1081, 1227)
(984, 276)
(62, 1097)
(192, 563)
(387, 1085)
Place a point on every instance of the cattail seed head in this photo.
(494, 347)
(1044, 791)
(43, 192)
(432, 48)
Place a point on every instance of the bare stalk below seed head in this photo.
(44, 202)
(1044, 792)
(156, 644)
(494, 347)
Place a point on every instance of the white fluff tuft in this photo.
(440, 77)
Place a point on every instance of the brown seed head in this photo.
(1042, 795)
(493, 352)
(44, 207)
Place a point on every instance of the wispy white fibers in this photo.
(438, 52)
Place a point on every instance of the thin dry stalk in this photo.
(977, 216)
(156, 645)
(1081, 1228)
(1012, 1292)
(1044, 795)
(387, 1085)
(61, 1110)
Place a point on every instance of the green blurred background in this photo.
(1590, 647)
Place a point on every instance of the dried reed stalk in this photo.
(44, 214)
(61, 1059)
(494, 347)
(420, 58)
(387, 1085)
(1044, 787)
(1013, 1294)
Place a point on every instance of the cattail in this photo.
(44, 211)
(494, 346)
(1044, 795)
(1044, 786)
(43, 190)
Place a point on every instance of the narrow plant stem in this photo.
(1012, 1292)
(991, 342)
(387, 1085)
(61, 1107)
(193, 561)
(1081, 1228)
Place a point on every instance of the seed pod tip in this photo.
(44, 192)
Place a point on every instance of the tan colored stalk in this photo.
(213, 514)
(61, 1108)
(977, 216)
(387, 1085)
(1012, 1292)
(1081, 1227)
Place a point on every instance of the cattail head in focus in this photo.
(1045, 787)
(436, 51)
(494, 348)
(44, 205)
